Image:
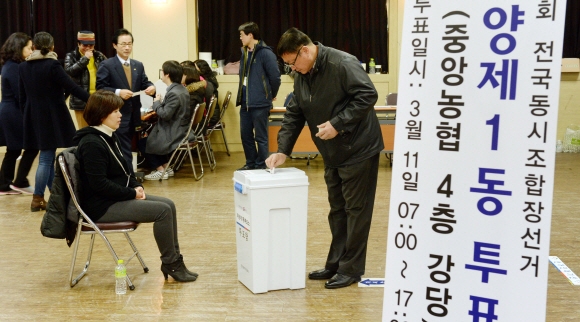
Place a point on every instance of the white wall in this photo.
(160, 31)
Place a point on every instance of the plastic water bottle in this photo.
(121, 278)
(214, 65)
(372, 66)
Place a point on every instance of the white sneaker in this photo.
(27, 190)
(169, 171)
(156, 175)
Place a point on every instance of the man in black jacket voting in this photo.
(334, 95)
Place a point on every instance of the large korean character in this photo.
(482, 303)
(508, 75)
(490, 189)
(495, 19)
(539, 130)
(454, 69)
(413, 130)
(411, 181)
(534, 184)
(421, 4)
(440, 274)
(484, 253)
(533, 211)
(535, 158)
(420, 47)
(546, 9)
(444, 218)
(531, 262)
(448, 136)
(539, 105)
(544, 52)
(532, 238)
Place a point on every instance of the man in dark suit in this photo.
(124, 76)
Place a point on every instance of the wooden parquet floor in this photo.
(34, 269)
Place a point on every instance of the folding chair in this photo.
(87, 227)
(189, 142)
(220, 125)
(203, 136)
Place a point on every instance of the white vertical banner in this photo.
(471, 195)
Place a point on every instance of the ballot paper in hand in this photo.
(146, 100)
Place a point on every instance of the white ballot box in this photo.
(271, 219)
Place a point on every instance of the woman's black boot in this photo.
(178, 271)
(188, 271)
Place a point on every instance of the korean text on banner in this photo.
(471, 195)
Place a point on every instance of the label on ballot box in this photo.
(270, 223)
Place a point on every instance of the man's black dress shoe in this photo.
(245, 167)
(339, 280)
(321, 274)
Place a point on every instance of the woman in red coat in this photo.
(47, 121)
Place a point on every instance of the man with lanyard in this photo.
(258, 87)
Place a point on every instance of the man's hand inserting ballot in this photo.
(275, 160)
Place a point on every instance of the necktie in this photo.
(127, 69)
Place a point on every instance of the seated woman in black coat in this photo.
(111, 193)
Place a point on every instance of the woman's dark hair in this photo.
(291, 41)
(191, 74)
(206, 72)
(12, 48)
(204, 68)
(187, 63)
(101, 103)
(250, 28)
(174, 70)
(43, 41)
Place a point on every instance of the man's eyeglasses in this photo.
(126, 44)
(294, 62)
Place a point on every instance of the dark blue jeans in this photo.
(44, 172)
(254, 131)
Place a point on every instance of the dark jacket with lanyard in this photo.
(340, 91)
(105, 175)
(263, 76)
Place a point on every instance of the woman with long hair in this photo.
(14, 51)
(47, 121)
(211, 89)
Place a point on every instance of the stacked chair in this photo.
(202, 136)
(189, 142)
(220, 125)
